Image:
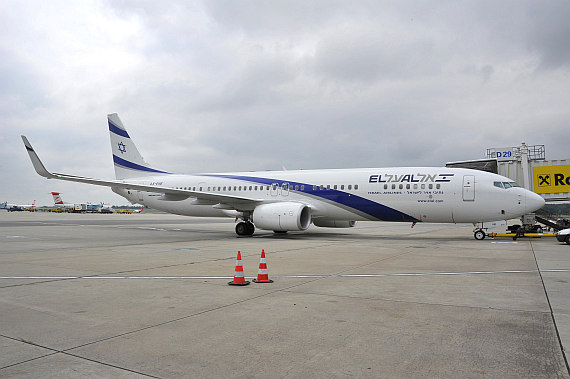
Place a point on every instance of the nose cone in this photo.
(533, 202)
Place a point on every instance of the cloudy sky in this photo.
(254, 85)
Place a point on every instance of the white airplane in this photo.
(18, 207)
(88, 207)
(291, 200)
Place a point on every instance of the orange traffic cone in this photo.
(239, 279)
(262, 276)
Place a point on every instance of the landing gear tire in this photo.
(479, 235)
(250, 228)
(245, 228)
(280, 231)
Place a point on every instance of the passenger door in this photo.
(468, 188)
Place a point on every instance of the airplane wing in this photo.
(205, 198)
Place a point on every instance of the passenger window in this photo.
(356, 186)
(256, 188)
(350, 186)
(423, 186)
(385, 186)
(335, 186)
(302, 187)
(328, 186)
(342, 186)
(431, 186)
(393, 186)
(250, 188)
(322, 187)
(401, 186)
(314, 188)
(415, 186)
(438, 186)
(200, 189)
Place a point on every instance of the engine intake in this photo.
(282, 217)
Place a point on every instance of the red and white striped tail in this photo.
(56, 198)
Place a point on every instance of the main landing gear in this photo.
(245, 228)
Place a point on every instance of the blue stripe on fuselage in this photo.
(375, 210)
(133, 166)
(115, 129)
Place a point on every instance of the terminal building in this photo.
(528, 166)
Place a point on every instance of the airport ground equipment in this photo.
(520, 234)
(563, 236)
(239, 279)
(79, 208)
(262, 274)
(527, 228)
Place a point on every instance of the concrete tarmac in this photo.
(146, 295)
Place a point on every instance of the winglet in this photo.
(38, 165)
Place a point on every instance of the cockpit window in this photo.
(505, 184)
(510, 184)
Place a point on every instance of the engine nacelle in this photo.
(282, 217)
(331, 223)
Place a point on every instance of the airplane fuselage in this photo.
(387, 194)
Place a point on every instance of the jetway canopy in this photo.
(489, 165)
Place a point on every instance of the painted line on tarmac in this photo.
(293, 276)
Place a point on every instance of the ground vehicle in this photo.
(563, 236)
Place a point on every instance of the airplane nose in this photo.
(533, 201)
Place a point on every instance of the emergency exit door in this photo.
(468, 188)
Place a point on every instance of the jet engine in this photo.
(332, 223)
(282, 217)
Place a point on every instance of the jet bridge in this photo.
(528, 166)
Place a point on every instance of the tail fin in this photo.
(129, 163)
(56, 198)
